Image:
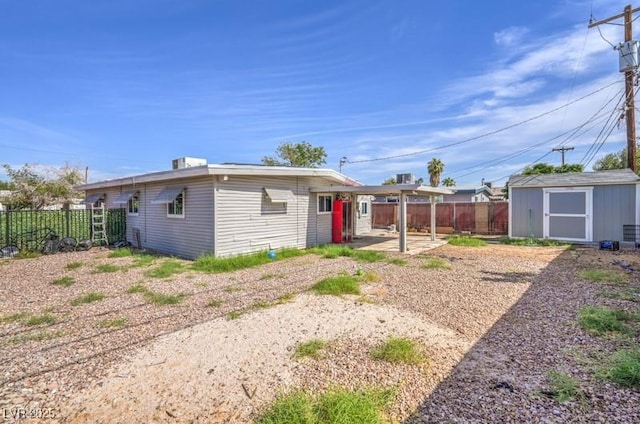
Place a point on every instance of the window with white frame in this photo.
(175, 208)
(364, 208)
(133, 204)
(325, 203)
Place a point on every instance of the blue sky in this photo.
(125, 86)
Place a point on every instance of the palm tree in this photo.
(435, 168)
(449, 182)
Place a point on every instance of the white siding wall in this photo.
(363, 222)
(187, 237)
(243, 226)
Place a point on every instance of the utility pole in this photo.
(343, 160)
(562, 150)
(629, 75)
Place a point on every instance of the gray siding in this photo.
(187, 237)
(522, 201)
(613, 206)
(243, 226)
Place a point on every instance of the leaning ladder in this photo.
(98, 225)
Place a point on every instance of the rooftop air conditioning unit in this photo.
(405, 179)
(187, 162)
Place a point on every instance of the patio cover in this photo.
(403, 190)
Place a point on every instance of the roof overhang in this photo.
(222, 170)
(409, 189)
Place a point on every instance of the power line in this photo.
(572, 134)
(487, 134)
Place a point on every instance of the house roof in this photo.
(471, 189)
(222, 169)
(393, 189)
(571, 179)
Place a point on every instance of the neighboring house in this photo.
(578, 207)
(460, 194)
(3, 195)
(229, 209)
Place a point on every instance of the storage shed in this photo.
(577, 207)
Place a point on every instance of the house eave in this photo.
(215, 169)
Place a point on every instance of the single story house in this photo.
(228, 209)
(577, 207)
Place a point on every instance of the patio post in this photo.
(433, 217)
(403, 222)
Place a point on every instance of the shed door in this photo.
(567, 214)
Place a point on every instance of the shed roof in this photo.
(222, 169)
(575, 179)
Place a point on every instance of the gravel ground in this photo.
(492, 326)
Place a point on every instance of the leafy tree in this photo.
(34, 187)
(420, 181)
(614, 160)
(5, 185)
(547, 168)
(435, 168)
(449, 182)
(389, 181)
(301, 154)
(505, 191)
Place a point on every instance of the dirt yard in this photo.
(88, 338)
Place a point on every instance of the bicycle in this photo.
(44, 240)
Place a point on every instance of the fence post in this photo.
(67, 207)
(8, 227)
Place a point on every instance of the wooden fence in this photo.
(477, 218)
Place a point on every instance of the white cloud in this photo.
(510, 36)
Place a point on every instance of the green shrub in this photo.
(599, 320)
(336, 406)
(73, 265)
(312, 349)
(398, 350)
(435, 263)
(602, 276)
(122, 252)
(137, 288)
(531, 241)
(104, 268)
(466, 241)
(88, 298)
(624, 368)
(65, 281)
(40, 319)
(562, 386)
(215, 303)
(166, 269)
(294, 408)
(338, 285)
(213, 265)
(332, 251)
(161, 299)
(113, 323)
